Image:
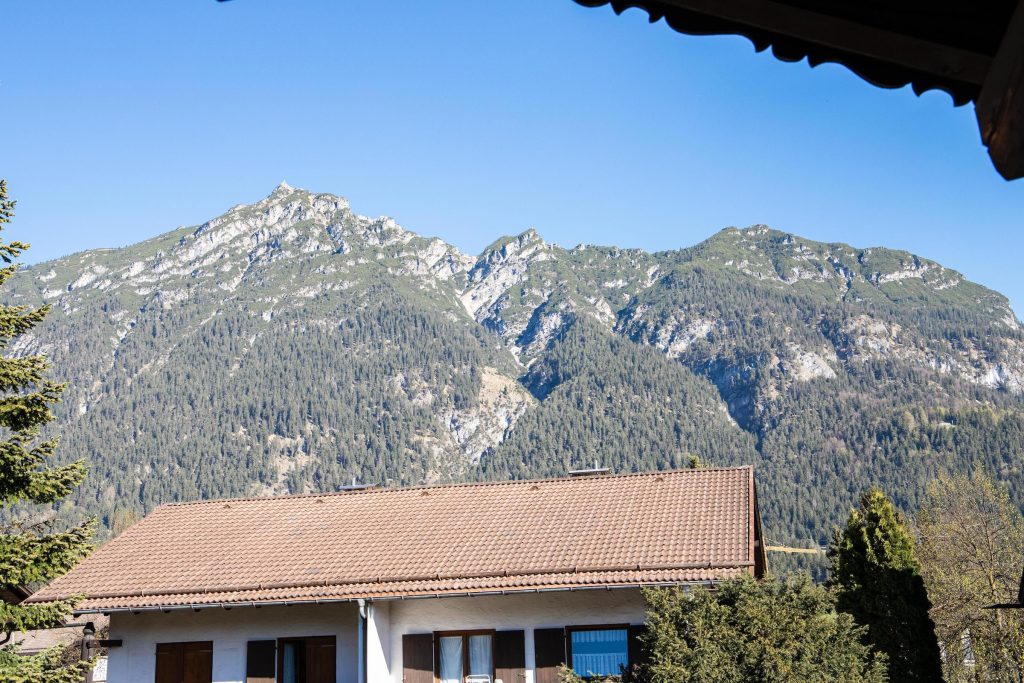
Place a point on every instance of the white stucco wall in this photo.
(378, 641)
(387, 622)
(135, 660)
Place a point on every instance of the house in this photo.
(472, 583)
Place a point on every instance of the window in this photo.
(306, 660)
(293, 661)
(465, 656)
(184, 662)
(599, 651)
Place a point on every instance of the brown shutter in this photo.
(510, 656)
(635, 646)
(321, 660)
(260, 663)
(169, 663)
(418, 658)
(184, 662)
(549, 652)
(197, 661)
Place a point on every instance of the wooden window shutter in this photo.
(184, 662)
(418, 658)
(198, 662)
(510, 656)
(635, 646)
(321, 660)
(260, 661)
(169, 663)
(549, 652)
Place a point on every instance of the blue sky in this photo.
(469, 119)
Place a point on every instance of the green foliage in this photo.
(972, 551)
(31, 553)
(567, 675)
(21, 618)
(628, 407)
(55, 665)
(302, 406)
(774, 631)
(877, 579)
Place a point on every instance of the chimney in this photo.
(593, 472)
(354, 486)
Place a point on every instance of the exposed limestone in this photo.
(873, 338)
(501, 268)
(500, 402)
(804, 365)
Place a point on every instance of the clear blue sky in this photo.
(469, 119)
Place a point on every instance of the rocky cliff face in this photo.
(313, 344)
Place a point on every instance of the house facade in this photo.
(471, 583)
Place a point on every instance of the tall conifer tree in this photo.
(31, 552)
(877, 579)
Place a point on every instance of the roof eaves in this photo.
(885, 58)
(390, 598)
(371, 581)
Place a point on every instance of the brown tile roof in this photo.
(604, 531)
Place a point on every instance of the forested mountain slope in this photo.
(292, 345)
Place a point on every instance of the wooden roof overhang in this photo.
(972, 50)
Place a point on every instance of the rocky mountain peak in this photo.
(503, 264)
(768, 254)
(509, 246)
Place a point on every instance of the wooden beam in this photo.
(1000, 105)
(799, 551)
(849, 36)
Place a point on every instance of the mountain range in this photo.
(294, 345)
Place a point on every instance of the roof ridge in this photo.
(453, 485)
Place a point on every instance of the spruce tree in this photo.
(31, 550)
(877, 579)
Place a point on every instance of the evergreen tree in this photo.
(31, 552)
(877, 579)
(745, 631)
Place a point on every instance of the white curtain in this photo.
(480, 654)
(599, 653)
(451, 659)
